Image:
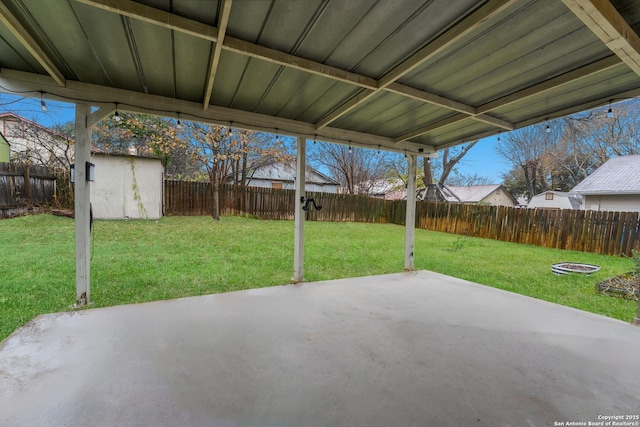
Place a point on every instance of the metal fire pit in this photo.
(574, 267)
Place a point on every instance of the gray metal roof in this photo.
(404, 75)
(620, 175)
(473, 193)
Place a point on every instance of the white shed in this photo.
(127, 186)
(555, 200)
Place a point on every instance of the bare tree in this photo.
(533, 149)
(35, 144)
(439, 172)
(357, 169)
(230, 154)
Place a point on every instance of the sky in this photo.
(481, 159)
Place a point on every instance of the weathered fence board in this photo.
(612, 233)
(22, 186)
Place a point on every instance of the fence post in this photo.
(27, 181)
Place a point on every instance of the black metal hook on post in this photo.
(306, 202)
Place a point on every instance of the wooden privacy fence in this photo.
(611, 233)
(22, 186)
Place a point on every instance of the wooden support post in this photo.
(410, 222)
(27, 182)
(298, 242)
(82, 204)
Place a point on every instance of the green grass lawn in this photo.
(137, 261)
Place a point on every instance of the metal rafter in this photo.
(225, 12)
(468, 24)
(602, 18)
(18, 81)
(371, 86)
(537, 89)
(155, 16)
(23, 36)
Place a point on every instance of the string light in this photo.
(116, 116)
(548, 128)
(42, 104)
(277, 136)
(231, 129)
(314, 139)
(178, 124)
(350, 149)
(498, 137)
(610, 111)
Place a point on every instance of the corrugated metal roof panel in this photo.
(302, 65)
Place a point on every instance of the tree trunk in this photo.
(427, 179)
(215, 192)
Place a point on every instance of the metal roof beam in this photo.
(490, 9)
(168, 20)
(467, 110)
(217, 51)
(297, 63)
(13, 81)
(23, 36)
(432, 126)
(453, 34)
(155, 16)
(554, 83)
(602, 18)
(537, 89)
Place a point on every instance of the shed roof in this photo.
(411, 76)
(575, 200)
(286, 171)
(620, 175)
(472, 193)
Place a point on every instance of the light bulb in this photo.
(116, 117)
(610, 113)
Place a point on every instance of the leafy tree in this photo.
(129, 133)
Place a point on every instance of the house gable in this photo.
(620, 175)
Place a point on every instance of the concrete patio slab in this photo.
(404, 349)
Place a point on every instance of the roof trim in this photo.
(602, 18)
(136, 102)
(23, 36)
(217, 51)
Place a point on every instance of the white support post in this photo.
(298, 242)
(82, 204)
(410, 222)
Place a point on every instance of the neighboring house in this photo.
(555, 200)
(386, 189)
(127, 187)
(34, 143)
(282, 175)
(5, 149)
(614, 186)
(494, 194)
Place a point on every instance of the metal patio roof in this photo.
(404, 75)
